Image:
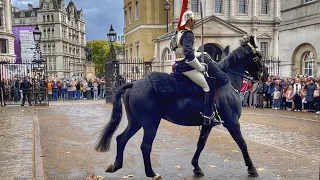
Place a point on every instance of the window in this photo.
(131, 53)
(307, 1)
(264, 6)
(137, 10)
(138, 56)
(129, 15)
(3, 46)
(242, 6)
(218, 6)
(52, 31)
(44, 32)
(264, 49)
(126, 54)
(308, 63)
(52, 19)
(48, 18)
(1, 17)
(125, 18)
(44, 18)
(195, 6)
(167, 55)
(44, 48)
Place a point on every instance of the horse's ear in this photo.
(253, 42)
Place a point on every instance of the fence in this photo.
(273, 65)
(118, 72)
(11, 77)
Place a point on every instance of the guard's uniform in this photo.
(188, 64)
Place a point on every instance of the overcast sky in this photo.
(98, 15)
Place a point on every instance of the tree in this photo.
(100, 50)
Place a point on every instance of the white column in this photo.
(231, 8)
(276, 8)
(276, 42)
(254, 10)
(7, 12)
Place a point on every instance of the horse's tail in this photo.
(104, 140)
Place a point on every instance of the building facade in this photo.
(120, 39)
(63, 39)
(300, 37)
(6, 37)
(225, 22)
(144, 20)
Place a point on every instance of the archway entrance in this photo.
(214, 50)
(304, 60)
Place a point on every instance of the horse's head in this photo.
(252, 62)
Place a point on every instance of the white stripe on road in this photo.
(290, 117)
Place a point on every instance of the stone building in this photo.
(225, 22)
(63, 40)
(6, 37)
(144, 20)
(299, 48)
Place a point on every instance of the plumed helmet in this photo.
(185, 15)
(188, 15)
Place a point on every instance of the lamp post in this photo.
(167, 8)
(112, 35)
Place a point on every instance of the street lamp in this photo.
(37, 58)
(112, 35)
(167, 8)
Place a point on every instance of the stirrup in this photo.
(214, 119)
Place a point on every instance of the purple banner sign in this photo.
(17, 44)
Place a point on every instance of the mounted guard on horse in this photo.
(178, 97)
(187, 63)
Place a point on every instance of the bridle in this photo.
(248, 77)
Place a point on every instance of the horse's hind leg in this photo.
(234, 130)
(146, 146)
(205, 131)
(122, 139)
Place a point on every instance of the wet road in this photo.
(282, 145)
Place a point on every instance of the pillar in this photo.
(276, 8)
(276, 42)
(232, 9)
(254, 10)
(7, 15)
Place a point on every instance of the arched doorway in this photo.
(304, 60)
(214, 50)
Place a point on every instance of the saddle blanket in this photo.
(174, 85)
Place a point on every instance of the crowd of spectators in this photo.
(74, 89)
(300, 93)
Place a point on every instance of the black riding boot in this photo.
(210, 115)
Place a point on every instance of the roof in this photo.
(206, 19)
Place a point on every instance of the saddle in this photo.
(173, 85)
(177, 84)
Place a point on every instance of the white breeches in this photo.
(198, 78)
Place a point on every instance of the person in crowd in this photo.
(26, 89)
(276, 98)
(253, 96)
(297, 98)
(289, 97)
(310, 87)
(270, 90)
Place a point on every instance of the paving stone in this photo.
(16, 139)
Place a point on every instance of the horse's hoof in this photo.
(110, 169)
(253, 172)
(198, 173)
(157, 177)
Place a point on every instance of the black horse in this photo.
(145, 108)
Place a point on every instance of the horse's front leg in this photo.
(205, 131)
(235, 132)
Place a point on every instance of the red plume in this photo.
(183, 9)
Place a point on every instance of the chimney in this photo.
(30, 7)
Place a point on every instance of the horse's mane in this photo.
(234, 56)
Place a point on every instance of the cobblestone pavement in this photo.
(291, 141)
(280, 146)
(16, 143)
